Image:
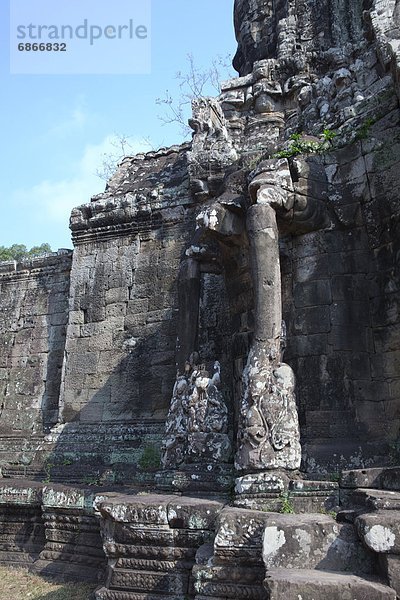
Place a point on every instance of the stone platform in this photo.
(292, 584)
(51, 529)
(145, 545)
(151, 543)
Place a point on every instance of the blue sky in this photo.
(56, 128)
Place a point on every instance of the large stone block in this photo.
(291, 541)
(380, 531)
(239, 535)
(313, 293)
(390, 569)
(372, 499)
(293, 584)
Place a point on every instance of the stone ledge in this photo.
(371, 499)
(387, 478)
(158, 509)
(293, 584)
(380, 531)
(33, 266)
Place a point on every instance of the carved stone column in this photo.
(268, 436)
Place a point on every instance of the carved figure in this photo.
(197, 422)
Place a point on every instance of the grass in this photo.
(19, 584)
(287, 507)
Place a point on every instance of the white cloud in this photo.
(55, 199)
(73, 122)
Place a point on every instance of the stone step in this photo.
(231, 581)
(380, 531)
(386, 478)
(315, 540)
(105, 594)
(306, 584)
(372, 499)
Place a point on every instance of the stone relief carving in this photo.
(243, 130)
(268, 435)
(197, 423)
(268, 432)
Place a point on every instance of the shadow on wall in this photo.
(114, 434)
(57, 319)
(113, 423)
(335, 290)
(34, 305)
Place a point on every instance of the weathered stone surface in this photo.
(384, 478)
(337, 217)
(373, 499)
(269, 491)
(211, 478)
(227, 582)
(51, 529)
(175, 235)
(380, 531)
(390, 569)
(22, 535)
(275, 230)
(268, 436)
(151, 542)
(239, 535)
(292, 541)
(143, 581)
(34, 313)
(153, 509)
(262, 483)
(197, 423)
(187, 513)
(79, 453)
(73, 546)
(293, 584)
(105, 594)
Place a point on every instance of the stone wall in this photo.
(272, 237)
(33, 318)
(306, 69)
(341, 307)
(119, 365)
(105, 413)
(122, 328)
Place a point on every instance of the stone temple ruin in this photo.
(189, 394)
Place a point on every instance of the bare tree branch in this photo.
(193, 83)
(122, 147)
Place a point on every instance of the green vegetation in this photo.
(301, 144)
(20, 251)
(364, 131)
(92, 479)
(328, 135)
(48, 466)
(150, 458)
(287, 507)
(19, 584)
(329, 513)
